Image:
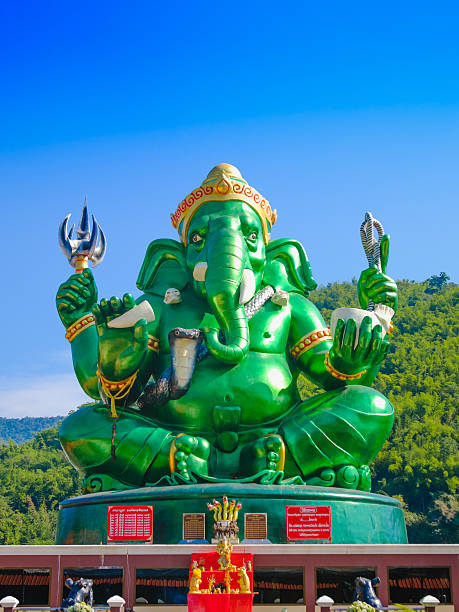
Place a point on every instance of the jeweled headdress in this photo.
(224, 182)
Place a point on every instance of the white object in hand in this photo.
(381, 315)
(131, 316)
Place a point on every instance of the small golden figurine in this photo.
(211, 583)
(224, 548)
(195, 581)
(228, 581)
(244, 580)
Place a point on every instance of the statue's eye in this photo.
(196, 238)
(252, 236)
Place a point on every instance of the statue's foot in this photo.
(189, 454)
(365, 478)
(266, 453)
(323, 478)
(94, 483)
(350, 477)
(345, 476)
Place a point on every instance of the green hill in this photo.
(419, 463)
(21, 430)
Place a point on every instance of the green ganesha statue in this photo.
(196, 380)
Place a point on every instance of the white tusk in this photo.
(130, 318)
(247, 287)
(199, 271)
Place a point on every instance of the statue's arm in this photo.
(127, 357)
(75, 299)
(84, 357)
(310, 342)
(335, 362)
(116, 353)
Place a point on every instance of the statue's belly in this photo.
(261, 385)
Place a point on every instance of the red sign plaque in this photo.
(128, 523)
(309, 523)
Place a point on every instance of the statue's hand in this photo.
(121, 351)
(377, 286)
(369, 351)
(76, 297)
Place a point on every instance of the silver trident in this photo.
(90, 244)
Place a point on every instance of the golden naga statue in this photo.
(225, 519)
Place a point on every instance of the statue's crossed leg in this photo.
(329, 440)
(332, 437)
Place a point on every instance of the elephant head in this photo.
(225, 256)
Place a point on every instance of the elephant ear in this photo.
(287, 267)
(163, 268)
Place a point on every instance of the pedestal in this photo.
(356, 517)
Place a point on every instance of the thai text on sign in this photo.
(309, 523)
(126, 523)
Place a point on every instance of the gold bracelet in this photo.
(331, 370)
(310, 341)
(116, 390)
(76, 328)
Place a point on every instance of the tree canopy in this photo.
(35, 477)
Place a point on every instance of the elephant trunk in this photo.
(226, 259)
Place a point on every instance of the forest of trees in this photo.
(21, 430)
(419, 464)
(34, 477)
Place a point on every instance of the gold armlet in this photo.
(116, 390)
(153, 343)
(76, 328)
(339, 375)
(309, 341)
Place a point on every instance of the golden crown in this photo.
(224, 182)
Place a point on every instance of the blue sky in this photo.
(328, 109)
